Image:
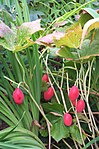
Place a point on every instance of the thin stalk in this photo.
(75, 144)
(77, 76)
(67, 83)
(66, 144)
(90, 66)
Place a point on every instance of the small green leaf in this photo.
(59, 130)
(75, 133)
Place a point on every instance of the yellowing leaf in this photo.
(71, 39)
(93, 26)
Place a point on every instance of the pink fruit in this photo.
(67, 119)
(45, 78)
(18, 96)
(80, 106)
(48, 94)
(73, 93)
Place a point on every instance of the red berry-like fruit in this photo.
(67, 119)
(45, 78)
(48, 94)
(18, 96)
(73, 93)
(80, 106)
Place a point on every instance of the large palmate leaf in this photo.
(18, 38)
(86, 52)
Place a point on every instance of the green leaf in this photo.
(75, 133)
(53, 107)
(89, 50)
(59, 130)
(67, 53)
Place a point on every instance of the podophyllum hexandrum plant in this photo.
(22, 68)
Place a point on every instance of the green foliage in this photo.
(64, 45)
(59, 130)
(19, 138)
(75, 133)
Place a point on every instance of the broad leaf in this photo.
(85, 53)
(75, 133)
(59, 130)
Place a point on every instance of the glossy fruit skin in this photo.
(67, 119)
(80, 106)
(45, 78)
(18, 96)
(48, 94)
(73, 93)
